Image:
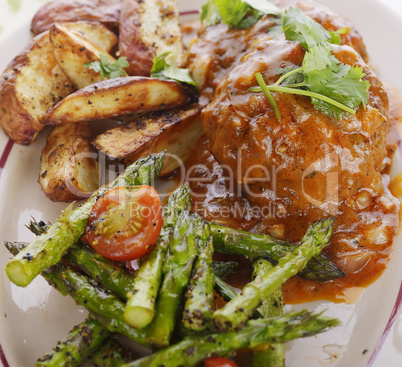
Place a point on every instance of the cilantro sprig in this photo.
(335, 89)
(236, 13)
(107, 68)
(162, 70)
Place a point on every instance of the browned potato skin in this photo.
(106, 12)
(175, 130)
(112, 98)
(141, 38)
(31, 84)
(68, 169)
(72, 52)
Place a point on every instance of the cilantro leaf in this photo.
(337, 90)
(236, 13)
(249, 20)
(162, 70)
(344, 86)
(265, 7)
(319, 58)
(210, 14)
(107, 68)
(232, 12)
(276, 30)
(305, 30)
(295, 78)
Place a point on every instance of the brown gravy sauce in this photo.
(364, 233)
(368, 223)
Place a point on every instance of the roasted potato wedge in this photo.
(96, 32)
(112, 98)
(148, 28)
(175, 130)
(31, 84)
(106, 12)
(68, 168)
(72, 51)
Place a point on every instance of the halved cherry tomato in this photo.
(219, 362)
(125, 222)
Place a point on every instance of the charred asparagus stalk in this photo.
(140, 308)
(235, 313)
(53, 279)
(111, 354)
(255, 246)
(224, 289)
(271, 355)
(48, 248)
(192, 350)
(228, 293)
(223, 268)
(110, 274)
(197, 312)
(101, 303)
(77, 346)
(177, 269)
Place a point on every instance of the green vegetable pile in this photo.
(167, 304)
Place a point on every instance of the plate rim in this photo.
(4, 157)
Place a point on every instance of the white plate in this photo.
(32, 319)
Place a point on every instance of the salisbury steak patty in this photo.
(308, 160)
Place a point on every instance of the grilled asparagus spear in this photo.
(177, 269)
(271, 355)
(110, 274)
(111, 354)
(235, 313)
(199, 296)
(223, 268)
(106, 307)
(224, 289)
(255, 246)
(140, 308)
(77, 346)
(48, 248)
(53, 279)
(193, 350)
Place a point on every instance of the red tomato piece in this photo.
(219, 362)
(125, 222)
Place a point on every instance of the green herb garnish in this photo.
(210, 14)
(335, 89)
(162, 70)
(108, 69)
(236, 13)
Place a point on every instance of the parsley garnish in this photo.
(210, 14)
(335, 89)
(162, 70)
(305, 30)
(236, 13)
(108, 69)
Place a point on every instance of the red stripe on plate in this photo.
(3, 161)
(388, 328)
(3, 358)
(189, 12)
(5, 154)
